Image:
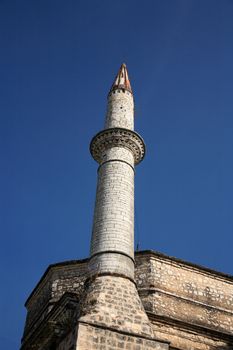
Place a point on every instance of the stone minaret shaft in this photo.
(117, 149)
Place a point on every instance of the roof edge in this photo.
(59, 264)
(138, 253)
(187, 263)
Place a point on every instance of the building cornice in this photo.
(145, 253)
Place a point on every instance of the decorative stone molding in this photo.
(117, 137)
(54, 326)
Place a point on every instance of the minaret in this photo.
(111, 307)
(117, 149)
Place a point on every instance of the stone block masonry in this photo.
(112, 317)
(120, 110)
(113, 218)
(113, 302)
(113, 228)
(96, 338)
(154, 272)
(184, 292)
(189, 305)
(57, 280)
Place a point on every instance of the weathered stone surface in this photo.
(185, 292)
(169, 320)
(92, 337)
(113, 302)
(186, 339)
(58, 279)
(120, 110)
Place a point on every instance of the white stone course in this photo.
(120, 110)
(112, 263)
(113, 219)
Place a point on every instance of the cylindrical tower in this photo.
(117, 149)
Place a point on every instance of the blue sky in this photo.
(57, 62)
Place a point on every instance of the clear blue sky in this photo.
(57, 62)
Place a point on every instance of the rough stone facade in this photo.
(189, 305)
(114, 301)
(187, 294)
(92, 337)
(56, 281)
(163, 284)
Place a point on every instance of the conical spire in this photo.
(122, 80)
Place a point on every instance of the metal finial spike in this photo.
(122, 80)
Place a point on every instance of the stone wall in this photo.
(58, 279)
(38, 306)
(113, 301)
(91, 337)
(190, 339)
(188, 305)
(71, 279)
(185, 292)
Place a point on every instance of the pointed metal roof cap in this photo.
(122, 80)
